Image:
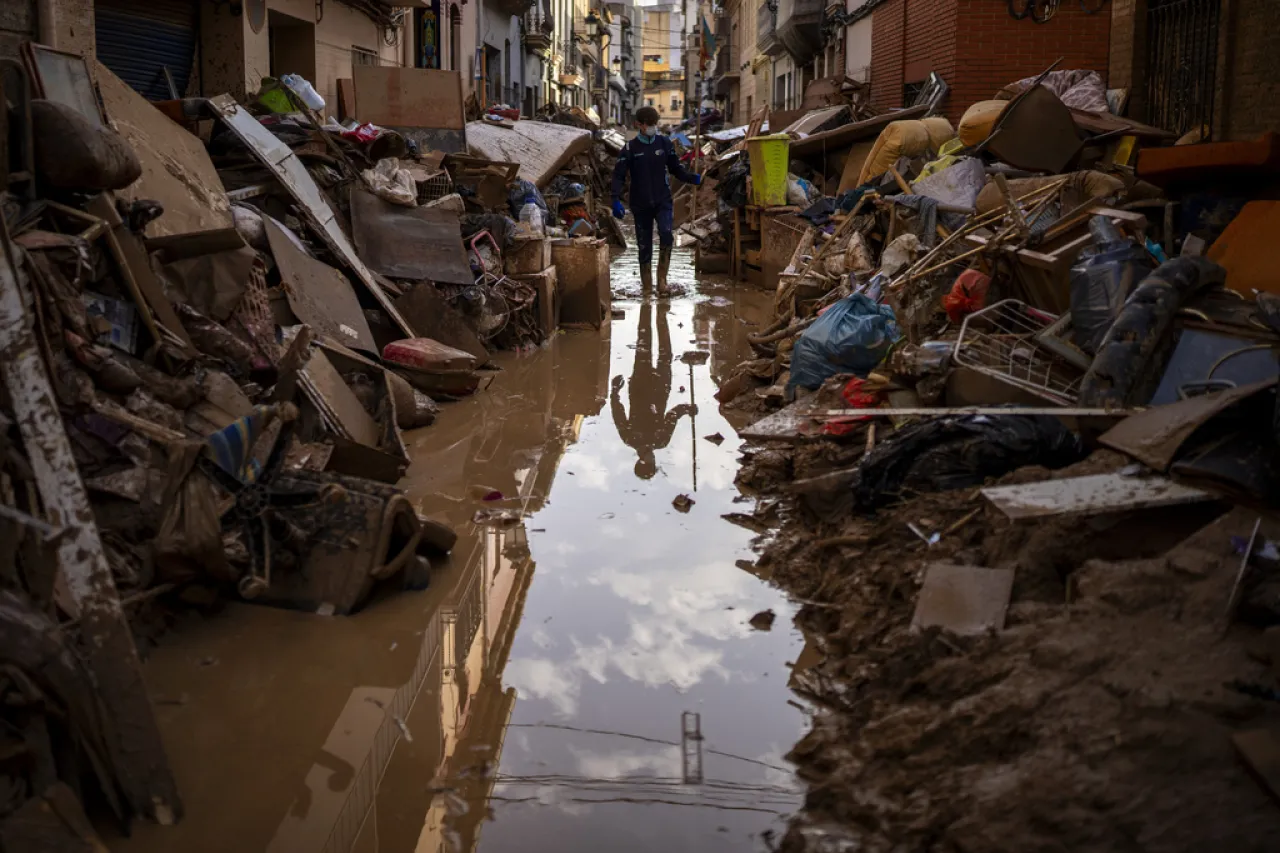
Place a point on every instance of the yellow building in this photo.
(662, 40)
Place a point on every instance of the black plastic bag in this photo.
(960, 452)
(1101, 280)
(1126, 370)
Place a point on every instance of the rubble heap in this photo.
(216, 320)
(1015, 440)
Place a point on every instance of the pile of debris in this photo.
(1024, 465)
(216, 318)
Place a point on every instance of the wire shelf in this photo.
(1003, 341)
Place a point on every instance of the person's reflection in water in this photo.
(649, 426)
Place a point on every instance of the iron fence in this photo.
(1181, 63)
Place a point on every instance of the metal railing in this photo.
(1181, 63)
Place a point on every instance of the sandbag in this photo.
(73, 153)
(904, 139)
(852, 336)
(978, 120)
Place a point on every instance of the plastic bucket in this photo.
(769, 157)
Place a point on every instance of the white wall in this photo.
(857, 49)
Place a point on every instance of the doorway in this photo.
(292, 45)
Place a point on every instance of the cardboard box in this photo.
(527, 257)
(582, 269)
(547, 306)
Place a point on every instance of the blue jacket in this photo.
(648, 165)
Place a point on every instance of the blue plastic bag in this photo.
(852, 336)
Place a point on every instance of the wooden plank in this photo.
(417, 243)
(788, 422)
(129, 724)
(389, 95)
(422, 104)
(288, 169)
(963, 599)
(176, 169)
(319, 295)
(1090, 495)
(336, 397)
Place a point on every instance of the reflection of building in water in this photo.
(425, 780)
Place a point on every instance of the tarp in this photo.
(541, 148)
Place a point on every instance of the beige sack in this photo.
(904, 139)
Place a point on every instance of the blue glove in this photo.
(618, 211)
(697, 180)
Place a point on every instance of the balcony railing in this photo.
(799, 28)
(662, 76)
(767, 28)
(538, 27)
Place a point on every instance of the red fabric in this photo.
(968, 294)
(857, 397)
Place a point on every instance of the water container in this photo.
(531, 216)
(304, 90)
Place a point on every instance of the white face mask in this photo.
(649, 130)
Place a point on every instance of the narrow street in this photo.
(533, 697)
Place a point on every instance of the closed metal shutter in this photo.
(138, 39)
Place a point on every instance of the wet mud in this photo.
(581, 674)
(1100, 718)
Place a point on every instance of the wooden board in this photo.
(336, 397)
(802, 420)
(422, 104)
(408, 97)
(1245, 248)
(1153, 437)
(319, 295)
(854, 160)
(176, 169)
(963, 599)
(1091, 495)
(417, 243)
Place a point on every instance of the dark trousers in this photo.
(644, 229)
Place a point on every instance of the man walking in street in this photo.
(648, 159)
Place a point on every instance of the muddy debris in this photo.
(683, 503)
(1027, 523)
(762, 621)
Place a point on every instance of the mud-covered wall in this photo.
(17, 24)
(339, 31)
(69, 26)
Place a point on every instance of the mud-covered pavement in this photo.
(533, 698)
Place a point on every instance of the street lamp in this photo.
(593, 25)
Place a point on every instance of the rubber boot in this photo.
(664, 261)
(646, 279)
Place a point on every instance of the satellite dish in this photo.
(257, 12)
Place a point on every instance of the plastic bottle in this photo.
(531, 215)
(304, 90)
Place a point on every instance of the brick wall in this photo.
(910, 38)
(995, 50)
(1248, 102)
(976, 47)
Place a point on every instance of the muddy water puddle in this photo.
(580, 676)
